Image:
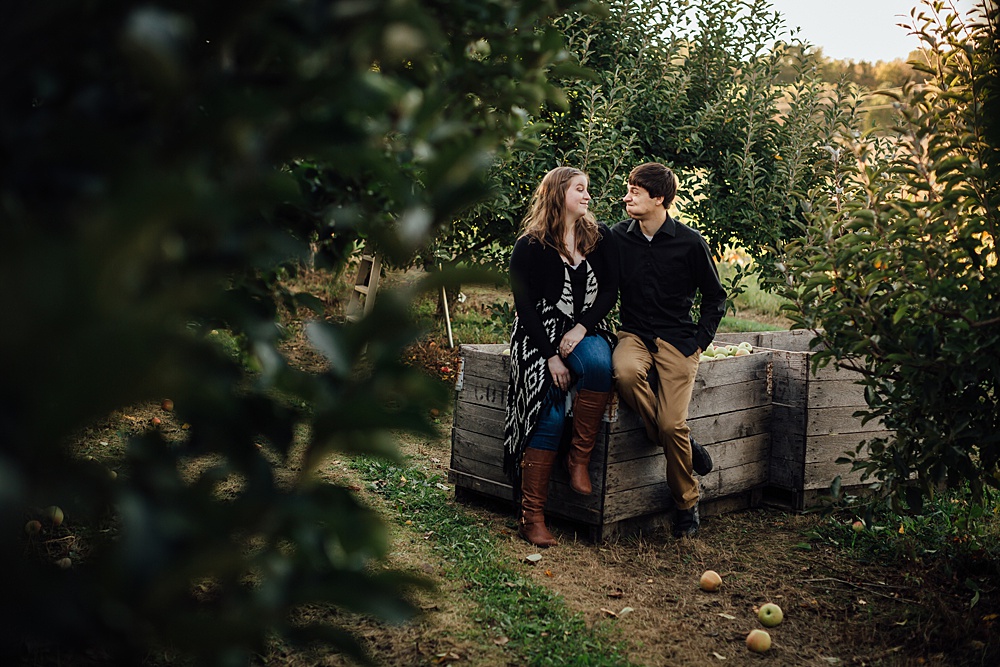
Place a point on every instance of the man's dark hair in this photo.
(657, 180)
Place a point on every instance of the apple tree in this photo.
(164, 163)
(714, 88)
(898, 272)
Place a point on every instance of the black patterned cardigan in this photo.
(530, 387)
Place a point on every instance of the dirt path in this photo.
(838, 611)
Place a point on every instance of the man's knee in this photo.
(673, 431)
(628, 371)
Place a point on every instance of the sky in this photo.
(856, 29)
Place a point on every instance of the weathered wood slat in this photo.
(651, 499)
(485, 361)
(788, 419)
(752, 337)
(709, 431)
(733, 370)
(562, 501)
(709, 401)
(788, 445)
(786, 474)
(824, 448)
(479, 419)
(483, 391)
(633, 473)
(741, 451)
(472, 446)
(833, 421)
(820, 475)
(730, 425)
(836, 393)
(487, 487)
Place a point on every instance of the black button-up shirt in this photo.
(659, 280)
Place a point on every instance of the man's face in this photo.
(639, 205)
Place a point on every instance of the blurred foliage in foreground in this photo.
(163, 164)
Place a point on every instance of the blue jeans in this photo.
(590, 364)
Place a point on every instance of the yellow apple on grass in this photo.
(758, 641)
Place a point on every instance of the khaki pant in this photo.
(665, 412)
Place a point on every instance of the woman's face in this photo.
(577, 198)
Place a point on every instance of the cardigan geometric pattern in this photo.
(530, 387)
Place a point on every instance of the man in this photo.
(663, 264)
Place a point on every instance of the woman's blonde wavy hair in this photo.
(545, 220)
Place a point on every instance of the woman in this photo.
(564, 275)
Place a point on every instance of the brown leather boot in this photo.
(536, 469)
(588, 411)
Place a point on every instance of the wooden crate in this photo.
(814, 422)
(730, 414)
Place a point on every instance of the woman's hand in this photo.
(560, 374)
(571, 339)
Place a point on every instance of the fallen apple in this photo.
(167, 404)
(33, 527)
(770, 615)
(156, 421)
(858, 526)
(758, 641)
(64, 563)
(710, 580)
(55, 515)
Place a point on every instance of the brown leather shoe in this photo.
(536, 469)
(588, 412)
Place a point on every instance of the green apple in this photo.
(758, 641)
(770, 615)
(741, 352)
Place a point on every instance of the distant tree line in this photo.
(862, 73)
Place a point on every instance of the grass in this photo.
(736, 325)
(753, 299)
(961, 535)
(532, 623)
